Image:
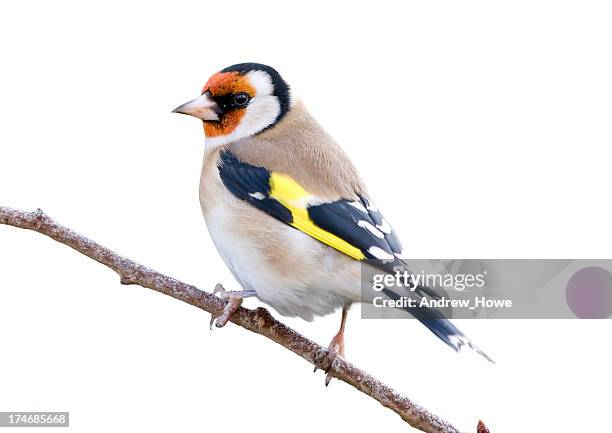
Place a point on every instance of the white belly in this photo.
(290, 271)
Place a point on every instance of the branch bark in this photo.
(259, 320)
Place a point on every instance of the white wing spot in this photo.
(401, 255)
(385, 227)
(358, 206)
(372, 207)
(257, 195)
(369, 227)
(379, 253)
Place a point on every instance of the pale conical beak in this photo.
(202, 107)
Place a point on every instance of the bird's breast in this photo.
(292, 272)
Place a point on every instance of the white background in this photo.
(481, 128)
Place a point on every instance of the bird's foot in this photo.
(234, 300)
(336, 350)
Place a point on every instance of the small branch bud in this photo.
(482, 428)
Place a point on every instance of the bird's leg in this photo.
(336, 346)
(234, 299)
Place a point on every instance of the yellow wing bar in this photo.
(292, 196)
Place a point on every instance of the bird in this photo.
(286, 208)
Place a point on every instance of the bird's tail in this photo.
(443, 328)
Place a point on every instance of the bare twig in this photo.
(259, 320)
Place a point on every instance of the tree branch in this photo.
(259, 320)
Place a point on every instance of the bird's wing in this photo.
(354, 227)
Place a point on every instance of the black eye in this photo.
(241, 99)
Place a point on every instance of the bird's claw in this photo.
(336, 350)
(233, 301)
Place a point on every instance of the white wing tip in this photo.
(461, 341)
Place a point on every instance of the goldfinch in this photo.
(286, 208)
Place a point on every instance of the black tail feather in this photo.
(443, 328)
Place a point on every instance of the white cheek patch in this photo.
(262, 83)
(262, 111)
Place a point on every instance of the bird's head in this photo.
(239, 101)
